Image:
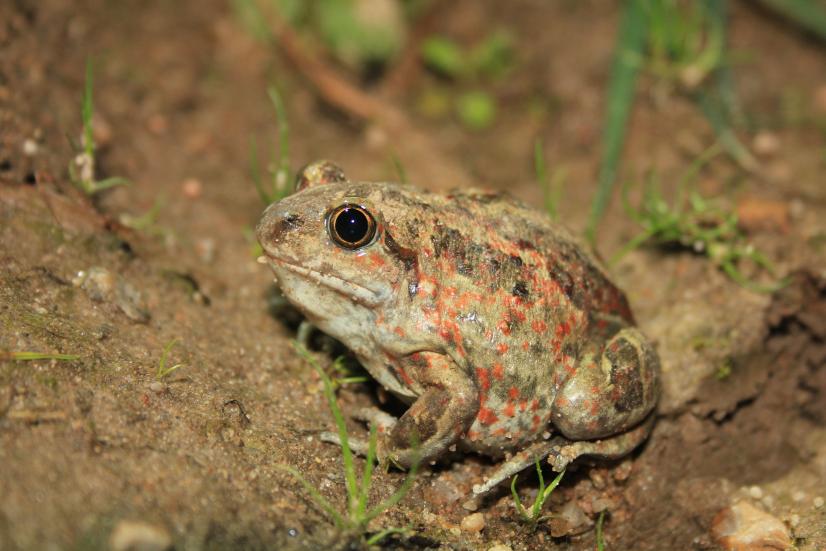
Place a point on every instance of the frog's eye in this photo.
(351, 226)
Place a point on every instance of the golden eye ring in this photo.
(351, 226)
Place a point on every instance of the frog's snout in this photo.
(276, 223)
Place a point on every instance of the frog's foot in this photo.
(383, 422)
(517, 463)
(562, 454)
(358, 446)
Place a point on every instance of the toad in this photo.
(500, 331)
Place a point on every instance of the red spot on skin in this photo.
(399, 331)
(539, 326)
(513, 393)
(415, 356)
(526, 346)
(536, 420)
(376, 260)
(486, 416)
(563, 329)
(472, 435)
(523, 406)
(509, 410)
(534, 404)
(502, 348)
(498, 371)
(561, 401)
(504, 327)
(484, 379)
(405, 377)
(500, 432)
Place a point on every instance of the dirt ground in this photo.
(99, 447)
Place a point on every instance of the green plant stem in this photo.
(627, 61)
(29, 356)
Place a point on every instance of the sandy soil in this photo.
(99, 447)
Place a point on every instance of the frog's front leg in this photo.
(442, 412)
(613, 389)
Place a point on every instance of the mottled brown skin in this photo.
(491, 321)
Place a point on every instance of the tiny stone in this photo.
(766, 143)
(755, 492)
(474, 522)
(129, 535)
(157, 387)
(768, 501)
(500, 547)
(30, 147)
(794, 520)
(818, 502)
(192, 188)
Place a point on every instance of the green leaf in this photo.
(443, 56)
(628, 58)
(476, 109)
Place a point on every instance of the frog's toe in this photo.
(357, 445)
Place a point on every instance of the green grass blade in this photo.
(600, 536)
(540, 494)
(29, 356)
(317, 497)
(367, 474)
(346, 453)
(628, 58)
(376, 538)
(87, 110)
(519, 507)
(107, 183)
(808, 14)
(397, 495)
(282, 172)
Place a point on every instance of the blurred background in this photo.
(149, 392)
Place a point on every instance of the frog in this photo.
(497, 328)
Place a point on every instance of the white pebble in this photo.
(818, 502)
(794, 520)
(30, 147)
(755, 492)
(474, 522)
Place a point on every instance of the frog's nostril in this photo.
(275, 226)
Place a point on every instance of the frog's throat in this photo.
(360, 294)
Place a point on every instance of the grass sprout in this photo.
(343, 374)
(534, 516)
(164, 371)
(278, 186)
(357, 515)
(30, 356)
(600, 535)
(82, 166)
(551, 186)
(695, 223)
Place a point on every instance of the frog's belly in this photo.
(506, 425)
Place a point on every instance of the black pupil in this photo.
(352, 225)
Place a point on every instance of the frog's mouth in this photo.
(351, 290)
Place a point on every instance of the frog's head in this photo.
(335, 249)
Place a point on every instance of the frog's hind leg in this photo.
(564, 452)
(517, 463)
(561, 452)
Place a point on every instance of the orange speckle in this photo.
(498, 371)
(513, 393)
(399, 331)
(563, 329)
(504, 327)
(539, 326)
(486, 416)
(509, 410)
(523, 406)
(535, 420)
(534, 404)
(502, 348)
(484, 379)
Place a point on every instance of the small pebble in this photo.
(157, 387)
(794, 520)
(192, 188)
(500, 547)
(30, 147)
(755, 492)
(766, 143)
(473, 523)
(130, 535)
(744, 527)
(818, 502)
